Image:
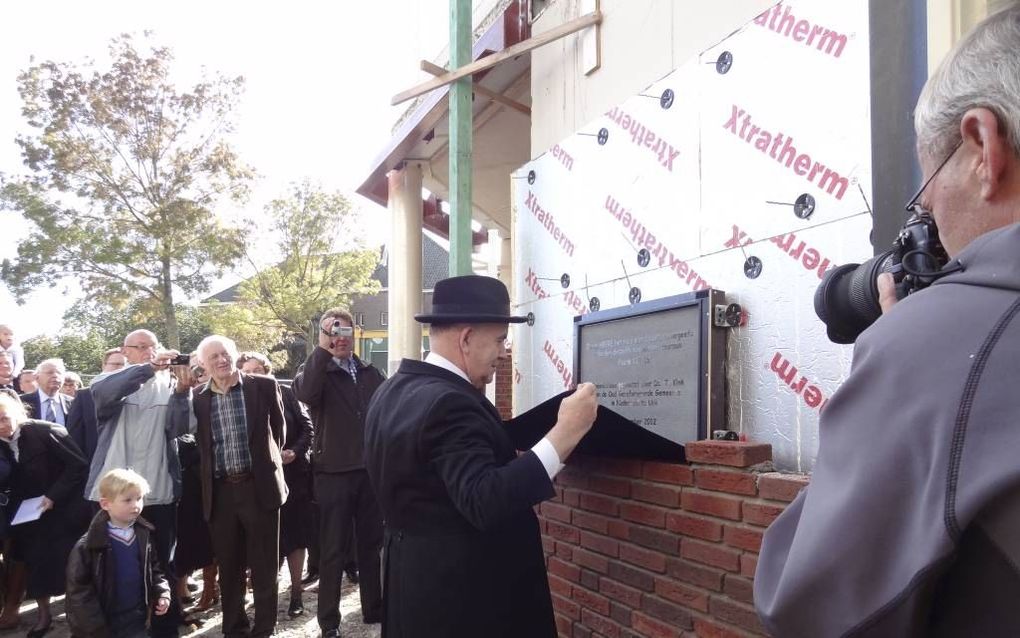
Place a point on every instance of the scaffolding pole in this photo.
(461, 129)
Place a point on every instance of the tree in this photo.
(81, 353)
(323, 265)
(126, 173)
(110, 325)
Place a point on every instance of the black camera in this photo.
(847, 299)
(181, 360)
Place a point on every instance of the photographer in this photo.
(141, 410)
(909, 526)
(337, 386)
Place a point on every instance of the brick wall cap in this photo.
(732, 453)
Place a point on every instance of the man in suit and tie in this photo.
(240, 433)
(81, 420)
(47, 403)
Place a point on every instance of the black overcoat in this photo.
(463, 554)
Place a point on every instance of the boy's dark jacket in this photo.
(90, 580)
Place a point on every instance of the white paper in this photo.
(29, 510)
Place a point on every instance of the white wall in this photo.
(691, 183)
(642, 40)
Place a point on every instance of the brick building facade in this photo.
(659, 550)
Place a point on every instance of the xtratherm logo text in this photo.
(644, 137)
(779, 147)
(545, 218)
(779, 20)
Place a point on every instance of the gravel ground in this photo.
(304, 625)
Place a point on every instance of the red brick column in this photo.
(640, 548)
(505, 388)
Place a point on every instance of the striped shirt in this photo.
(230, 431)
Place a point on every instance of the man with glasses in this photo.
(337, 386)
(141, 409)
(909, 526)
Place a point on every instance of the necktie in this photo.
(51, 416)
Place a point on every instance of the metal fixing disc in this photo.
(666, 100)
(804, 206)
(724, 63)
(635, 295)
(603, 136)
(643, 257)
(752, 267)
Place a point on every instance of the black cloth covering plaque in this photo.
(612, 435)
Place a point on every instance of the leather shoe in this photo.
(352, 576)
(310, 577)
(296, 607)
(331, 633)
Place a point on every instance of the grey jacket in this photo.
(911, 523)
(109, 392)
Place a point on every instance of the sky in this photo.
(319, 75)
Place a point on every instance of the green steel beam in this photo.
(461, 130)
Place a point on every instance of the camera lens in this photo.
(847, 299)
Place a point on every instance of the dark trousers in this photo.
(347, 505)
(164, 540)
(245, 535)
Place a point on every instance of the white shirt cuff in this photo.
(546, 453)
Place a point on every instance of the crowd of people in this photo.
(237, 474)
(165, 465)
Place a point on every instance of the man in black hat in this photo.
(463, 553)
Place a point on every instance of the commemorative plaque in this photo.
(658, 364)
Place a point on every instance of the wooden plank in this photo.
(591, 41)
(490, 61)
(437, 70)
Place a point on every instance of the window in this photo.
(950, 20)
(359, 318)
(384, 318)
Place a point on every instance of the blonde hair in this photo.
(116, 482)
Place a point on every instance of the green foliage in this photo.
(81, 353)
(110, 325)
(278, 305)
(126, 173)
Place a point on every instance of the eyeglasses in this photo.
(147, 346)
(914, 205)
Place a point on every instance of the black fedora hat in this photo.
(470, 299)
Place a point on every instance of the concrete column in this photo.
(404, 299)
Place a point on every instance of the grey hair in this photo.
(227, 342)
(56, 363)
(982, 70)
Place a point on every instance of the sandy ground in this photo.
(304, 625)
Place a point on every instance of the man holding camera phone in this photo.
(141, 410)
(909, 526)
(337, 386)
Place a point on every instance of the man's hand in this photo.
(288, 456)
(575, 417)
(162, 359)
(886, 291)
(162, 605)
(46, 504)
(326, 340)
(185, 380)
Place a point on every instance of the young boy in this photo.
(113, 576)
(10, 345)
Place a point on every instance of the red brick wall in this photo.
(639, 548)
(504, 388)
